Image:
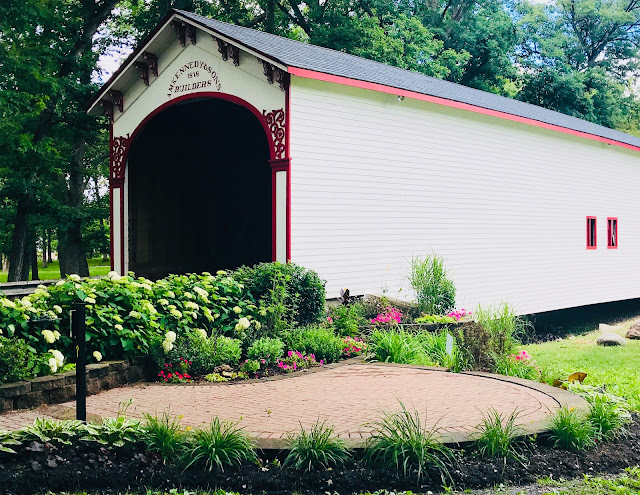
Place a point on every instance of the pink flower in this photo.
(329, 319)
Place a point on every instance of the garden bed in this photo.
(87, 466)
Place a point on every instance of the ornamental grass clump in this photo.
(163, 435)
(401, 442)
(435, 291)
(497, 435)
(503, 325)
(221, 444)
(397, 345)
(608, 417)
(570, 430)
(317, 448)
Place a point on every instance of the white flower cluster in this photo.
(169, 339)
(50, 336)
(56, 361)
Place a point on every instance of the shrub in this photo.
(435, 291)
(497, 435)
(346, 319)
(18, 362)
(503, 325)
(125, 314)
(266, 349)
(571, 431)
(401, 442)
(223, 443)
(163, 435)
(318, 448)
(250, 367)
(475, 342)
(203, 353)
(316, 340)
(520, 365)
(304, 293)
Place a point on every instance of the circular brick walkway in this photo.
(349, 397)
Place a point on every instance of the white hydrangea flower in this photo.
(42, 287)
(25, 302)
(118, 327)
(57, 309)
(221, 272)
(200, 291)
(176, 313)
(243, 323)
(97, 355)
(163, 302)
(170, 336)
(112, 274)
(53, 365)
(167, 346)
(134, 314)
(118, 318)
(74, 277)
(48, 336)
(61, 282)
(89, 300)
(201, 332)
(7, 303)
(171, 294)
(237, 309)
(56, 334)
(146, 286)
(58, 356)
(192, 305)
(188, 295)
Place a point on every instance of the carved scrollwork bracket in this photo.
(119, 147)
(276, 123)
(272, 73)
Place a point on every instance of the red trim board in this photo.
(321, 76)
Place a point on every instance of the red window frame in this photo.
(612, 233)
(592, 243)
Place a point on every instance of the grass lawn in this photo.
(97, 267)
(616, 367)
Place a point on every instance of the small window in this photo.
(592, 237)
(612, 233)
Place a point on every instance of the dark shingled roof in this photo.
(293, 53)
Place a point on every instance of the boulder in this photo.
(611, 338)
(634, 332)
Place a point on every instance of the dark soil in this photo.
(39, 468)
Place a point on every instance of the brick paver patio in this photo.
(348, 397)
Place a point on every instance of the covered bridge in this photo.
(231, 146)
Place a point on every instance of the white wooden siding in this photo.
(376, 181)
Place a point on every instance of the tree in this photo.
(49, 53)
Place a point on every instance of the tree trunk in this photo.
(49, 234)
(17, 259)
(34, 262)
(44, 248)
(70, 236)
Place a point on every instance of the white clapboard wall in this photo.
(376, 181)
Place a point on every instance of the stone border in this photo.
(53, 389)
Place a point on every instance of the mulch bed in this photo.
(39, 468)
